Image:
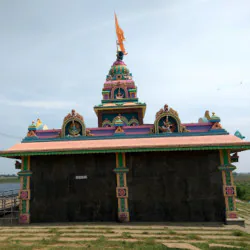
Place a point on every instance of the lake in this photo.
(9, 186)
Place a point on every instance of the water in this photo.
(9, 186)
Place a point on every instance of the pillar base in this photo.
(24, 218)
(235, 221)
(123, 216)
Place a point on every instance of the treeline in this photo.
(8, 175)
(242, 182)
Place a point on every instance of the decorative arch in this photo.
(123, 90)
(167, 121)
(107, 123)
(73, 125)
(123, 118)
(133, 122)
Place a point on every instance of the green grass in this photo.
(239, 233)
(126, 235)
(9, 180)
(193, 237)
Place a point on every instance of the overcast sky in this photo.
(193, 55)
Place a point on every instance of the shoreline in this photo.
(9, 180)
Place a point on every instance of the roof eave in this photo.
(18, 154)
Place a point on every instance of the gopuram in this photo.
(125, 170)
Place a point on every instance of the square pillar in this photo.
(122, 190)
(229, 189)
(24, 193)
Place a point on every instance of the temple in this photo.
(125, 170)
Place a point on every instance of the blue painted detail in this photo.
(32, 128)
(203, 119)
(239, 135)
(216, 132)
(119, 134)
(119, 100)
(31, 139)
(214, 120)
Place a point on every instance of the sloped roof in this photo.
(128, 145)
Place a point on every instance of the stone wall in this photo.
(56, 196)
(162, 186)
(175, 186)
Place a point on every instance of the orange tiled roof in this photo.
(135, 143)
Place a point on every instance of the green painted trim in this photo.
(120, 160)
(228, 178)
(25, 163)
(136, 106)
(225, 157)
(25, 180)
(24, 205)
(231, 206)
(132, 90)
(69, 152)
(121, 179)
(121, 170)
(24, 173)
(122, 208)
(120, 100)
(231, 168)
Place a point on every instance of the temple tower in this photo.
(120, 97)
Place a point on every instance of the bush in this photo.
(243, 190)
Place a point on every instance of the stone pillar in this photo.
(122, 189)
(24, 193)
(229, 189)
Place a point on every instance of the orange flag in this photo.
(120, 36)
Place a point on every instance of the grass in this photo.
(9, 180)
(239, 233)
(137, 237)
(108, 231)
(193, 237)
(205, 246)
(126, 235)
(172, 232)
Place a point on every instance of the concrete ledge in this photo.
(238, 221)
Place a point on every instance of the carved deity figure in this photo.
(119, 95)
(165, 108)
(166, 127)
(74, 130)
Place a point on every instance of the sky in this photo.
(193, 55)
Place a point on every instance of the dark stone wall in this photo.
(175, 186)
(163, 186)
(58, 197)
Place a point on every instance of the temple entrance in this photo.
(73, 188)
(175, 186)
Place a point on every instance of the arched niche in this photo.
(167, 121)
(123, 118)
(119, 92)
(73, 125)
(107, 123)
(133, 122)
